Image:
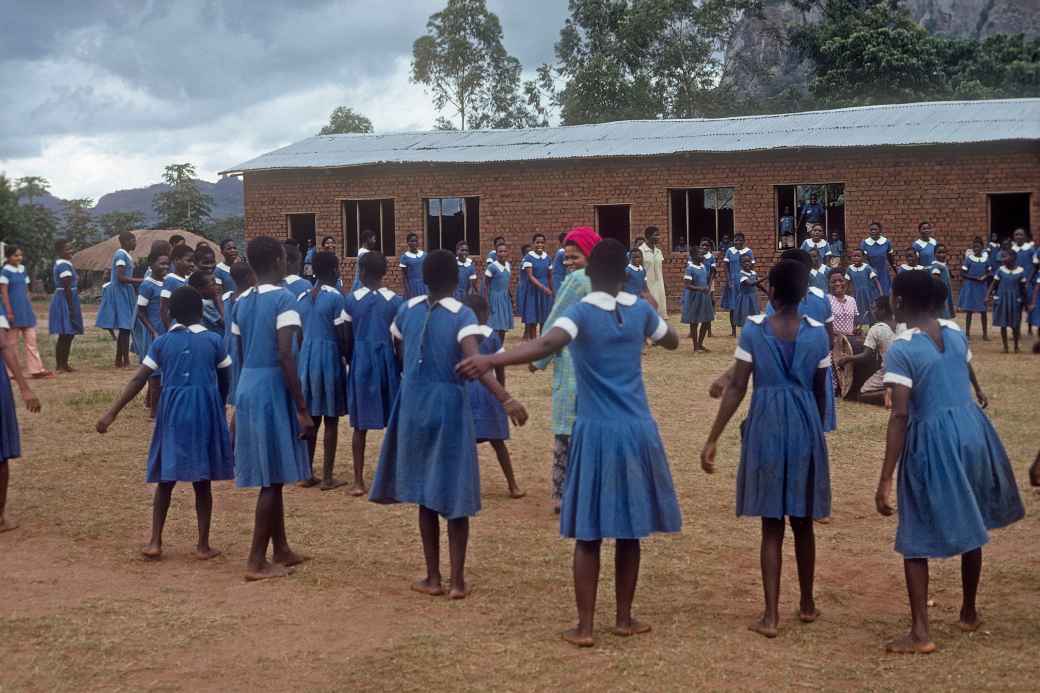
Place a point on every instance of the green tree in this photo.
(78, 222)
(183, 206)
(31, 187)
(233, 227)
(462, 61)
(114, 223)
(30, 225)
(345, 120)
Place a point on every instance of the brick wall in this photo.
(898, 186)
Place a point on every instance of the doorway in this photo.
(1007, 212)
(615, 221)
(302, 230)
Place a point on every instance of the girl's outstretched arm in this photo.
(475, 365)
(821, 380)
(516, 411)
(980, 396)
(7, 300)
(133, 388)
(286, 337)
(894, 442)
(345, 335)
(15, 369)
(164, 312)
(142, 317)
(731, 399)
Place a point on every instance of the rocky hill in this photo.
(760, 62)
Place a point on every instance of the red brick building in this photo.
(970, 168)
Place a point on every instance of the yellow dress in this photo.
(653, 260)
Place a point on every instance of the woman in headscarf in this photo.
(577, 246)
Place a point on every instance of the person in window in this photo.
(837, 245)
(653, 260)
(368, 244)
(810, 214)
(817, 242)
(786, 227)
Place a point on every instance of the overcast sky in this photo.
(97, 96)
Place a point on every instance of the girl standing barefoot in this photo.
(618, 484)
(10, 439)
(429, 454)
(271, 418)
(784, 470)
(191, 441)
(697, 309)
(955, 480)
(65, 319)
(498, 273)
(1009, 297)
(118, 309)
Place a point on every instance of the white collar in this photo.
(919, 242)
(699, 265)
(880, 241)
(742, 251)
(1028, 245)
(417, 254)
(194, 329)
(175, 276)
(504, 268)
(745, 272)
(950, 324)
(970, 254)
(448, 302)
(816, 291)
(153, 280)
(484, 330)
(812, 322)
(363, 291)
(227, 295)
(941, 264)
(910, 268)
(11, 268)
(1005, 270)
(291, 279)
(61, 260)
(813, 272)
(386, 293)
(361, 251)
(604, 301)
(815, 244)
(757, 319)
(467, 263)
(540, 257)
(860, 268)
(222, 266)
(636, 269)
(265, 288)
(329, 289)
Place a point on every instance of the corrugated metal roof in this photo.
(945, 122)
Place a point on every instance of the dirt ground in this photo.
(80, 610)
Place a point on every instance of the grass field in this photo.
(80, 610)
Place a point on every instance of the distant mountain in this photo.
(226, 193)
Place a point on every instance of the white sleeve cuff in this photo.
(830, 319)
(741, 355)
(120, 263)
(288, 318)
(142, 301)
(395, 332)
(660, 332)
(969, 356)
(149, 363)
(341, 318)
(468, 331)
(896, 379)
(4, 325)
(402, 266)
(64, 274)
(234, 329)
(218, 280)
(165, 293)
(487, 273)
(225, 363)
(568, 326)
(526, 265)
(4, 279)
(825, 362)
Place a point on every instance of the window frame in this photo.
(469, 234)
(686, 212)
(989, 210)
(798, 240)
(381, 232)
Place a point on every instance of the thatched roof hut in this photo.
(98, 258)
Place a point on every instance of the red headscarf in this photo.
(584, 237)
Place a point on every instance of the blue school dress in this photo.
(1007, 297)
(635, 280)
(522, 288)
(229, 320)
(972, 296)
(537, 304)
(746, 303)
(1034, 315)
(864, 290)
(1024, 255)
(268, 448)
(212, 320)
(429, 454)
(559, 271)
(148, 298)
(191, 440)
(17, 281)
(467, 279)
(696, 305)
(498, 296)
(171, 282)
(60, 319)
(618, 484)
(374, 376)
(837, 248)
(784, 469)
(925, 251)
(323, 376)
(820, 278)
(732, 260)
(412, 264)
(222, 275)
(10, 437)
(491, 257)
(296, 284)
(939, 269)
(118, 301)
(955, 480)
(876, 253)
(356, 284)
(490, 421)
(823, 248)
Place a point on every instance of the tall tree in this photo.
(114, 223)
(31, 225)
(78, 222)
(346, 120)
(183, 206)
(31, 187)
(462, 61)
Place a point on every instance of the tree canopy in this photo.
(29, 225)
(346, 120)
(78, 222)
(184, 206)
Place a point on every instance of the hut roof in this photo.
(98, 258)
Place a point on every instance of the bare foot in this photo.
(808, 615)
(633, 627)
(908, 645)
(556, 508)
(357, 490)
(152, 552)
(288, 558)
(267, 571)
(577, 639)
(331, 484)
(309, 483)
(969, 623)
(822, 520)
(461, 593)
(430, 587)
(517, 493)
(204, 553)
(7, 524)
(763, 627)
